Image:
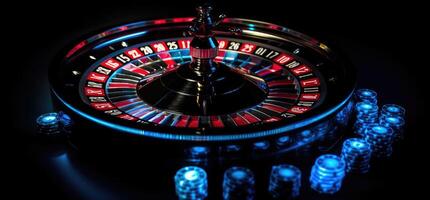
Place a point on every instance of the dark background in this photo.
(383, 40)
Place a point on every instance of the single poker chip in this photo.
(366, 108)
(366, 95)
(392, 110)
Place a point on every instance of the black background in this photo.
(382, 39)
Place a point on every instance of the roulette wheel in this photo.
(205, 80)
(207, 107)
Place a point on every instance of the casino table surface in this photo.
(381, 51)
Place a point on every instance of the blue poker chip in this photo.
(48, 119)
(392, 121)
(329, 162)
(366, 107)
(261, 145)
(239, 183)
(397, 123)
(283, 141)
(381, 140)
(356, 153)
(327, 173)
(366, 95)
(197, 155)
(285, 172)
(285, 181)
(366, 114)
(379, 132)
(191, 183)
(49, 125)
(392, 110)
(356, 145)
(198, 151)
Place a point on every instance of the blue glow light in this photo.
(394, 120)
(225, 137)
(286, 172)
(66, 172)
(238, 174)
(366, 93)
(306, 133)
(357, 144)
(47, 119)
(393, 109)
(356, 153)
(199, 149)
(285, 181)
(251, 27)
(262, 145)
(191, 175)
(330, 163)
(327, 174)
(238, 183)
(283, 141)
(366, 107)
(191, 183)
(379, 129)
(120, 39)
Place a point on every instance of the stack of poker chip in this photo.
(238, 183)
(396, 123)
(392, 110)
(393, 116)
(380, 139)
(356, 153)
(197, 154)
(285, 182)
(191, 183)
(367, 114)
(48, 124)
(327, 174)
(366, 95)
